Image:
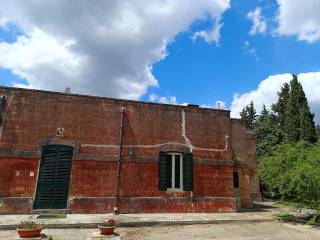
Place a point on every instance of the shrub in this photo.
(292, 173)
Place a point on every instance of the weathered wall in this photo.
(17, 183)
(91, 125)
(252, 165)
(243, 151)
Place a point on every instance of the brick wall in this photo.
(91, 125)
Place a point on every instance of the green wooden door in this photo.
(54, 177)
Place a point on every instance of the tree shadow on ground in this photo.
(260, 207)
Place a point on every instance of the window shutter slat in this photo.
(187, 172)
(162, 176)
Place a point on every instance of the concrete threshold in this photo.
(10, 222)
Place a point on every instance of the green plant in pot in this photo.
(28, 229)
(107, 227)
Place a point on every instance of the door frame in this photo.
(55, 141)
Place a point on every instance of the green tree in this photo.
(248, 116)
(292, 119)
(318, 132)
(307, 126)
(267, 133)
(299, 123)
(292, 173)
(280, 108)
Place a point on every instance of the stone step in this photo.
(49, 211)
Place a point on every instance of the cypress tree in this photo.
(292, 118)
(299, 123)
(307, 130)
(248, 116)
(280, 107)
(267, 133)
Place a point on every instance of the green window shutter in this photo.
(187, 172)
(162, 175)
(54, 177)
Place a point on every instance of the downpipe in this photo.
(116, 208)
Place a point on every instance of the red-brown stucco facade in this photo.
(219, 145)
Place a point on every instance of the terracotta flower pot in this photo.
(106, 230)
(28, 233)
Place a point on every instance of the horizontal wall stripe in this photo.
(159, 198)
(13, 153)
(19, 153)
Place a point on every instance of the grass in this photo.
(285, 217)
(314, 220)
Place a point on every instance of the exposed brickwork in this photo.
(92, 124)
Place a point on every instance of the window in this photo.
(235, 180)
(175, 171)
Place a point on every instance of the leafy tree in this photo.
(280, 108)
(248, 116)
(292, 173)
(267, 133)
(289, 171)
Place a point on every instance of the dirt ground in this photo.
(258, 231)
(245, 231)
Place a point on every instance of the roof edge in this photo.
(110, 98)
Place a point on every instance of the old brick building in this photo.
(92, 154)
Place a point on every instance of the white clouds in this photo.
(210, 36)
(173, 100)
(300, 18)
(266, 93)
(98, 47)
(40, 55)
(259, 24)
(159, 99)
(249, 50)
(218, 105)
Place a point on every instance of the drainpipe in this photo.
(116, 208)
(2, 106)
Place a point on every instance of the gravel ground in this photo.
(252, 231)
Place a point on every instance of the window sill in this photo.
(175, 190)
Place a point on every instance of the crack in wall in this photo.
(187, 143)
(183, 131)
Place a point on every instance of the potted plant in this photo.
(27, 229)
(107, 227)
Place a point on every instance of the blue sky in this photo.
(235, 68)
(200, 73)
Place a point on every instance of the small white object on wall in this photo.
(60, 132)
